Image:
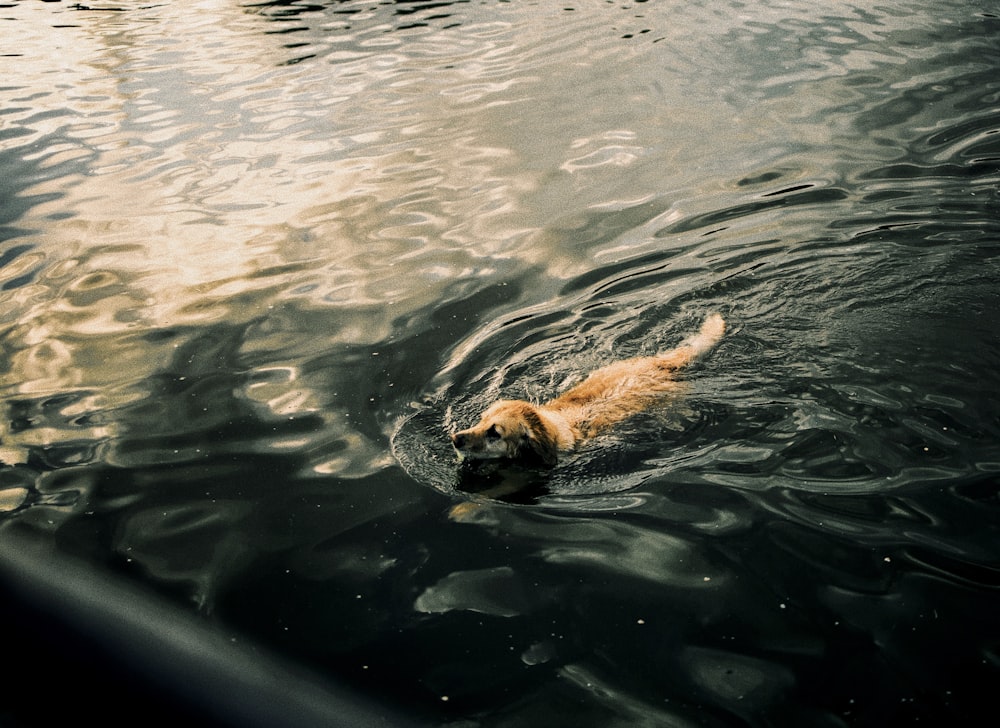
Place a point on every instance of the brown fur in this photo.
(522, 430)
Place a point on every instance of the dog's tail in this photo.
(711, 332)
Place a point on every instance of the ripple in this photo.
(497, 592)
(742, 682)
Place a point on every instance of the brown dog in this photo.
(521, 430)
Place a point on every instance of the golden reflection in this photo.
(11, 498)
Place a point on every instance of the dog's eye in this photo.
(493, 433)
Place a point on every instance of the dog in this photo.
(523, 431)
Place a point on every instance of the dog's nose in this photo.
(458, 440)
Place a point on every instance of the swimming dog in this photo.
(520, 430)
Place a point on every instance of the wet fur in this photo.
(521, 430)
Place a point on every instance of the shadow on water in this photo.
(502, 481)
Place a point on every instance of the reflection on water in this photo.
(256, 260)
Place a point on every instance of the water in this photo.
(257, 259)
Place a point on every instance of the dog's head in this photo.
(509, 429)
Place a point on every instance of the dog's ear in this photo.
(541, 441)
(545, 448)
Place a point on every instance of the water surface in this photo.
(257, 259)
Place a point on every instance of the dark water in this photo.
(256, 259)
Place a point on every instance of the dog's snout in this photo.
(458, 440)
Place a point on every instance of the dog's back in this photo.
(614, 392)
